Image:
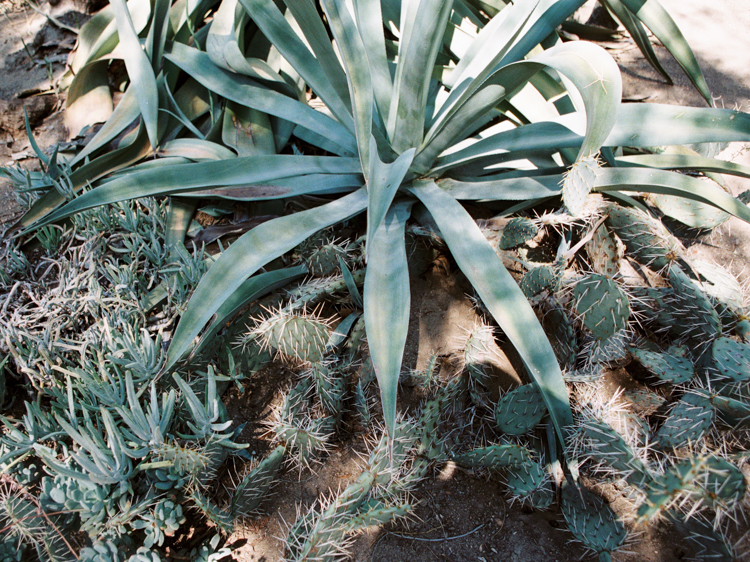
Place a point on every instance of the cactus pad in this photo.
(520, 410)
(601, 303)
(604, 253)
(666, 367)
(493, 457)
(578, 183)
(540, 278)
(644, 236)
(300, 337)
(516, 232)
(591, 520)
(731, 359)
(530, 483)
(688, 421)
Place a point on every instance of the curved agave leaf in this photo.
(167, 180)
(248, 254)
(387, 297)
(281, 34)
(244, 91)
(369, 16)
(685, 162)
(422, 28)
(661, 24)
(358, 74)
(139, 70)
(638, 33)
(502, 296)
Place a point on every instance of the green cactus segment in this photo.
(516, 232)
(731, 360)
(731, 411)
(689, 212)
(696, 317)
(255, 485)
(604, 253)
(668, 368)
(478, 353)
(643, 402)
(706, 542)
(324, 259)
(601, 303)
(577, 184)
(494, 457)
(743, 329)
(562, 336)
(606, 446)
(530, 484)
(361, 406)
(644, 236)
(221, 518)
(330, 386)
(688, 421)
(430, 446)
(703, 479)
(538, 279)
(591, 520)
(719, 284)
(298, 337)
(518, 411)
(613, 349)
(379, 515)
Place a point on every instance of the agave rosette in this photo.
(404, 105)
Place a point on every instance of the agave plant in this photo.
(393, 110)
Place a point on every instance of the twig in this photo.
(51, 18)
(438, 540)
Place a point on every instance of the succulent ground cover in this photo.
(126, 433)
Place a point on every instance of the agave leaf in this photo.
(179, 215)
(638, 33)
(685, 162)
(489, 47)
(661, 24)
(383, 183)
(369, 16)
(123, 115)
(670, 183)
(502, 296)
(244, 91)
(139, 70)
(89, 100)
(281, 34)
(90, 172)
(167, 180)
(387, 298)
(422, 28)
(507, 189)
(248, 254)
(157, 33)
(358, 74)
(195, 149)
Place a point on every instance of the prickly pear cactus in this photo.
(688, 421)
(516, 232)
(602, 304)
(673, 369)
(694, 316)
(592, 521)
(731, 360)
(530, 484)
(644, 236)
(255, 485)
(604, 252)
(577, 184)
(493, 457)
(538, 279)
(518, 411)
(303, 338)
